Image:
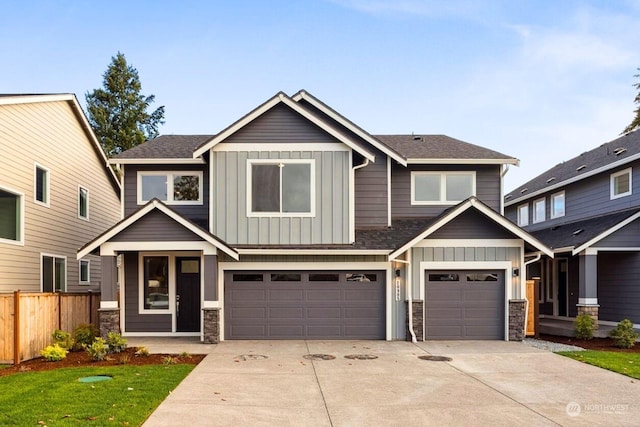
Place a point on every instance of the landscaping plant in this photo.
(54, 353)
(84, 335)
(63, 339)
(624, 335)
(98, 349)
(115, 342)
(584, 325)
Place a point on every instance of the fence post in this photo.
(59, 310)
(16, 328)
(90, 307)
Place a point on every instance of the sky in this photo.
(542, 81)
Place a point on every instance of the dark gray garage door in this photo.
(464, 305)
(304, 305)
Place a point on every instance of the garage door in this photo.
(305, 305)
(464, 305)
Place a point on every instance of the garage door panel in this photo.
(293, 313)
(362, 294)
(323, 294)
(286, 294)
(324, 313)
(444, 331)
(248, 313)
(248, 295)
(362, 313)
(250, 331)
(284, 331)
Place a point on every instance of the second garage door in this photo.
(305, 305)
(464, 305)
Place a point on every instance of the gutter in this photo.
(502, 174)
(409, 295)
(524, 297)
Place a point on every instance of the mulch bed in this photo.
(599, 344)
(80, 359)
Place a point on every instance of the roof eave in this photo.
(457, 161)
(160, 161)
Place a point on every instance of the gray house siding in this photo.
(135, 322)
(371, 193)
(628, 236)
(471, 225)
(487, 188)
(197, 213)
(155, 227)
(329, 225)
(618, 288)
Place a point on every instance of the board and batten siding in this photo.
(487, 188)
(50, 134)
(330, 225)
(371, 199)
(618, 288)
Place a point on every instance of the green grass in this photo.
(56, 398)
(623, 363)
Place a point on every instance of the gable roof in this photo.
(452, 213)
(11, 99)
(282, 98)
(164, 149)
(607, 156)
(152, 205)
(579, 235)
(442, 149)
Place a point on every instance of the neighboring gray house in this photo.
(586, 209)
(56, 191)
(294, 223)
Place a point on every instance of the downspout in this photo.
(502, 174)
(526, 308)
(352, 197)
(409, 295)
(366, 162)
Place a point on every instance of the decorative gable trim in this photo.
(149, 207)
(284, 99)
(482, 208)
(606, 233)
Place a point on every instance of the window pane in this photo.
(427, 188)
(324, 277)
(190, 266)
(361, 277)
(482, 277)
(47, 274)
(156, 283)
(459, 187)
(296, 188)
(60, 274)
(154, 186)
(557, 206)
(538, 211)
(523, 215)
(286, 277)
(621, 184)
(9, 216)
(186, 187)
(84, 271)
(265, 188)
(83, 201)
(41, 185)
(247, 277)
(443, 277)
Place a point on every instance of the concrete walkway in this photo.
(270, 383)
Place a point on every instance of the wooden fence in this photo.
(27, 320)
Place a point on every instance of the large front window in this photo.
(11, 208)
(156, 283)
(441, 188)
(171, 187)
(281, 187)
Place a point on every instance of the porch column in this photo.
(109, 312)
(211, 304)
(588, 285)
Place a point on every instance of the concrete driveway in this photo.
(270, 383)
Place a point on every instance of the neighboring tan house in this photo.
(57, 190)
(294, 223)
(587, 210)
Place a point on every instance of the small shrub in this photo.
(124, 359)
(185, 355)
(63, 339)
(142, 351)
(624, 335)
(115, 342)
(169, 360)
(54, 353)
(98, 349)
(584, 327)
(84, 335)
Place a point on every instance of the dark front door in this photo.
(562, 286)
(188, 295)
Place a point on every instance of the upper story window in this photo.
(41, 185)
(175, 188)
(84, 271)
(523, 215)
(539, 210)
(441, 188)
(11, 216)
(557, 205)
(83, 203)
(621, 183)
(283, 187)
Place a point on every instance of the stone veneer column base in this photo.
(109, 320)
(591, 310)
(211, 325)
(418, 320)
(516, 319)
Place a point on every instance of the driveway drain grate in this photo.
(319, 357)
(436, 358)
(361, 356)
(245, 357)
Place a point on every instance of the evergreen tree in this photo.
(118, 113)
(635, 123)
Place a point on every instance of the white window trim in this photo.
(170, 176)
(80, 262)
(523, 222)
(443, 186)
(612, 178)
(20, 241)
(552, 212)
(537, 220)
(80, 188)
(171, 288)
(66, 270)
(312, 210)
(47, 195)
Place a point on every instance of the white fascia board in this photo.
(606, 233)
(313, 251)
(150, 161)
(349, 125)
(574, 179)
(417, 161)
(30, 99)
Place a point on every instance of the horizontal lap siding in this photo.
(50, 134)
(627, 236)
(618, 287)
(155, 227)
(471, 225)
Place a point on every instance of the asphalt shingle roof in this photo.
(601, 156)
(166, 147)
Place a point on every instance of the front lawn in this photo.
(623, 363)
(57, 398)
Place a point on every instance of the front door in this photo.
(563, 282)
(188, 294)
